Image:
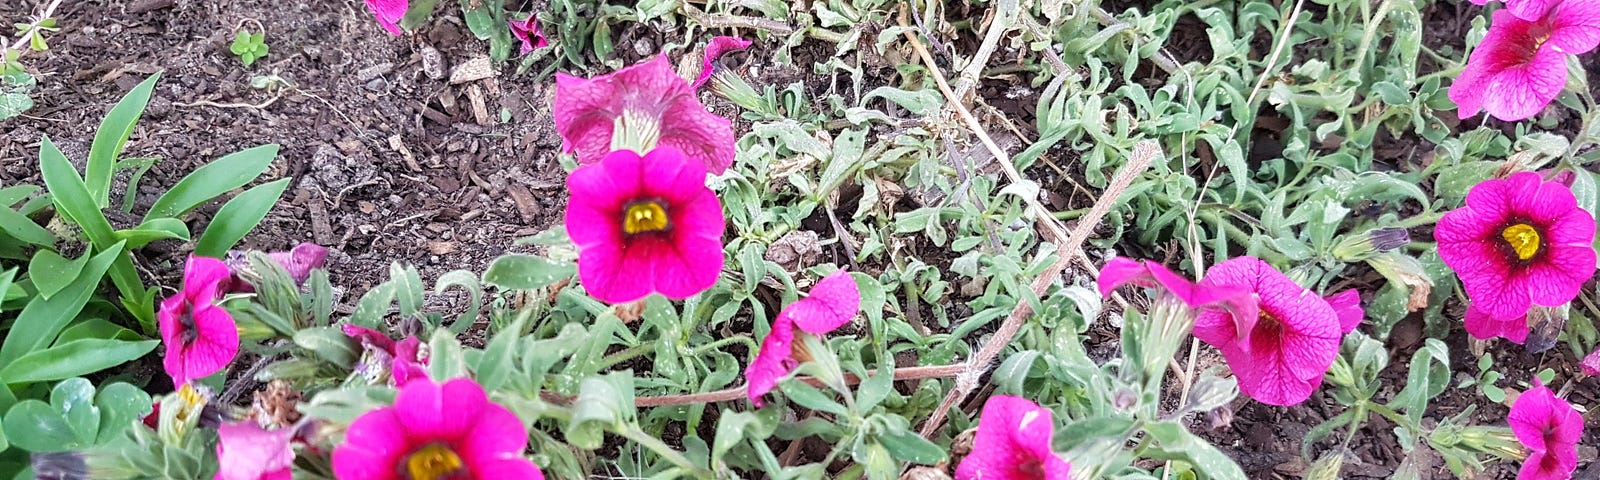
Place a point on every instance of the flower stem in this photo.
(637, 435)
(626, 354)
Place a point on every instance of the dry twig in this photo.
(740, 392)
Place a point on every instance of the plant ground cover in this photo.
(391, 161)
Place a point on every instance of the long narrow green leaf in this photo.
(42, 319)
(213, 179)
(11, 195)
(111, 137)
(22, 228)
(159, 228)
(238, 217)
(5, 285)
(71, 359)
(71, 195)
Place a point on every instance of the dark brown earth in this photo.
(392, 164)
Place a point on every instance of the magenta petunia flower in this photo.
(383, 355)
(1518, 242)
(1525, 9)
(200, 337)
(1013, 443)
(1281, 354)
(389, 13)
(527, 31)
(1521, 64)
(247, 452)
(645, 224)
(436, 431)
(650, 104)
(1124, 271)
(714, 50)
(833, 301)
(1550, 428)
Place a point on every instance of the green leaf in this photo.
(94, 328)
(495, 366)
(875, 388)
(328, 343)
(51, 273)
(446, 361)
(1176, 443)
(21, 227)
(154, 229)
(238, 217)
(71, 195)
(408, 288)
(603, 402)
(731, 427)
(212, 180)
(111, 137)
(74, 399)
(373, 306)
(525, 272)
(78, 357)
(121, 406)
(42, 319)
(907, 446)
(36, 427)
(811, 397)
(468, 281)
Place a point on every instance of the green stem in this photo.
(1370, 35)
(1420, 220)
(626, 354)
(637, 435)
(746, 340)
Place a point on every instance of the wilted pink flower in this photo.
(1521, 64)
(527, 31)
(1518, 242)
(833, 301)
(389, 13)
(1591, 363)
(247, 452)
(381, 355)
(1550, 428)
(651, 105)
(298, 262)
(1281, 354)
(1013, 443)
(1124, 271)
(644, 224)
(200, 337)
(714, 50)
(436, 432)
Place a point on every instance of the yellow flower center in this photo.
(433, 462)
(644, 217)
(1523, 239)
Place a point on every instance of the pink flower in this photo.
(200, 337)
(644, 224)
(246, 452)
(833, 301)
(389, 13)
(1521, 64)
(1124, 271)
(436, 431)
(298, 262)
(1280, 355)
(714, 50)
(1518, 242)
(651, 104)
(1013, 443)
(400, 360)
(1591, 363)
(528, 32)
(1550, 428)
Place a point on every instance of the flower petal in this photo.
(389, 13)
(1576, 28)
(769, 366)
(1522, 90)
(508, 467)
(609, 277)
(247, 452)
(372, 447)
(1483, 326)
(1013, 443)
(496, 434)
(714, 50)
(215, 344)
(430, 411)
(1347, 305)
(202, 278)
(832, 303)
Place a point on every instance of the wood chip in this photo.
(475, 69)
(320, 229)
(441, 248)
(399, 146)
(480, 107)
(432, 62)
(527, 205)
(367, 74)
(143, 6)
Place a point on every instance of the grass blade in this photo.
(238, 217)
(112, 136)
(213, 179)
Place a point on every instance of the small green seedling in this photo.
(35, 33)
(249, 46)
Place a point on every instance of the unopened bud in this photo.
(1353, 248)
